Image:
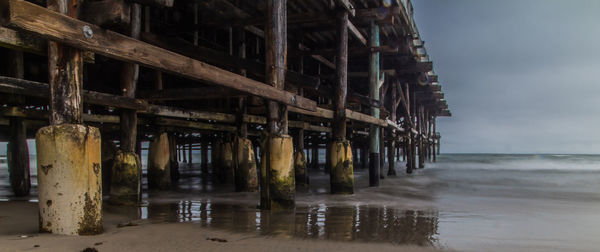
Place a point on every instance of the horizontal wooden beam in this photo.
(180, 94)
(21, 41)
(219, 58)
(157, 3)
(42, 90)
(51, 25)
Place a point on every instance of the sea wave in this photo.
(554, 162)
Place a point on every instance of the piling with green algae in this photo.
(69, 179)
(125, 185)
(278, 189)
(159, 167)
(342, 169)
(246, 175)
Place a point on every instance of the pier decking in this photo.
(262, 85)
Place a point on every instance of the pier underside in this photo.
(262, 86)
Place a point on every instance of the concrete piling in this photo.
(69, 179)
(159, 167)
(125, 185)
(277, 172)
(342, 172)
(246, 175)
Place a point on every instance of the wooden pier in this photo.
(262, 85)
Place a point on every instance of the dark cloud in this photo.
(519, 76)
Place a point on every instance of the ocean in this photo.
(467, 202)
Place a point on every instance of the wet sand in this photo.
(464, 206)
(18, 232)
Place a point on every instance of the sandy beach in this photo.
(462, 203)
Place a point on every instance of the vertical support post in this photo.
(382, 151)
(421, 129)
(184, 152)
(17, 152)
(300, 159)
(174, 154)
(300, 162)
(190, 151)
(392, 138)
(277, 170)
(315, 153)
(342, 168)
(410, 140)
(246, 176)
(374, 94)
(435, 140)
(204, 154)
(160, 154)
(126, 177)
(68, 153)
(17, 155)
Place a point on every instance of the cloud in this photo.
(519, 76)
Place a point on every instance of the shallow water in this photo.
(464, 202)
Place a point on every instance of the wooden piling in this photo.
(277, 171)
(374, 94)
(70, 202)
(125, 185)
(340, 150)
(17, 153)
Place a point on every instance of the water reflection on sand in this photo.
(342, 223)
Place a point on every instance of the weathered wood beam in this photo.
(27, 16)
(157, 3)
(178, 94)
(356, 51)
(17, 40)
(222, 59)
(356, 33)
(42, 90)
(37, 89)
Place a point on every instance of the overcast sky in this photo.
(520, 76)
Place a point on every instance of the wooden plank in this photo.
(190, 114)
(222, 59)
(157, 3)
(42, 90)
(194, 125)
(321, 112)
(179, 94)
(27, 16)
(25, 42)
(356, 33)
